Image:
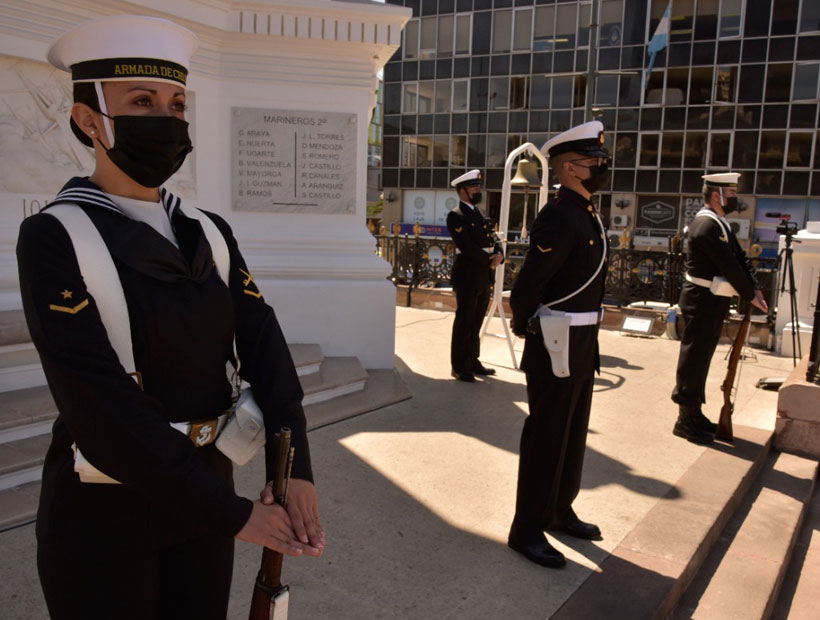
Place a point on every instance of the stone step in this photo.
(383, 388)
(26, 413)
(13, 329)
(21, 461)
(798, 596)
(18, 505)
(741, 578)
(647, 573)
(306, 357)
(336, 377)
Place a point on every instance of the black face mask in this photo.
(598, 175)
(149, 149)
(476, 198)
(731, 205)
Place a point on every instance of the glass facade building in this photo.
(735, 88)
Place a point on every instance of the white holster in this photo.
(720, 286)
(244, 433)
(555, 331)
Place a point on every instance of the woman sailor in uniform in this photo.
(160, 543)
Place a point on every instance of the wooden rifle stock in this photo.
(724, 428)
(269, 579)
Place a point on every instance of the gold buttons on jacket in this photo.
(591, 242)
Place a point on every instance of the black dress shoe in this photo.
(481, 370)
(464, 376)
(540, 552)
(577, 528)
(705, 423)
(690, 428)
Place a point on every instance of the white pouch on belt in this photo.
(721, 287)
(555, 331)
(244, 433)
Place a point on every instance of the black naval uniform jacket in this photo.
(566, 246)
(471, 233)
(712, 253)
(183, 319)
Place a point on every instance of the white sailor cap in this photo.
(474, 177)
(586, 139)
(125, 47)
(721, 179)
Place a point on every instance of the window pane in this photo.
(677, 81)
(460, 99)
(540, 93)
(672, 150)
(799, 154)
(584, 19)
(408, 152)
(649, 149)
(409, 99)
(499, 93)
(427, 43)
(725, 84)
(580, 91)
(700, 90)
(519, 89)
(784, 16)
(523, 30)
(751, 84)
(778, 82)
(680, 24)
(745, 150)
(462, 34)
(441, 151)
(805, 81)
(695, 154)
(612, 13)
(810, 16)
(411, 39)
(771, 149)
(562, 92)
(445, 35)
(496, 150)
(654, 90)
(426, 97)
(502, 25)
(443, 90)
(544, 28)
(706, 19)
(424, 151)
(458, 150)
(730, 18)
(565, 26)
(719, 151)
(607, 90)
(625, 149)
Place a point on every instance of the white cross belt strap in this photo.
(718, 286)
(103, 284)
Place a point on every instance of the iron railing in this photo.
(633, 275)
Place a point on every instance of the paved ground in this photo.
(417, 497)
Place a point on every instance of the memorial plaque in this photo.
(289, 161)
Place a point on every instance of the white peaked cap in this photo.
(721, 179)
(125, 47)
(586, 139)
(473, 177)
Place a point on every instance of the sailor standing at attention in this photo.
(716, 270)
(556, 306)
(134, 302)
(477, 254)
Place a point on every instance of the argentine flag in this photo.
(658, 41)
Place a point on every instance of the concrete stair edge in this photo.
(743, 575)
(659, 558)
(18, 506)
(307, 358)
(21, 461)
(336, 377)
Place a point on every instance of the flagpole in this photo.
(592, 60)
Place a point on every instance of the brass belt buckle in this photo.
(204, 432)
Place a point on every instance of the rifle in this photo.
(724, 429)
(270, 595)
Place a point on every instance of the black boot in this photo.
(705, 423)
(689, 428)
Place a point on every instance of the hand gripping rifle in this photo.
(724, 429)
(270, 595)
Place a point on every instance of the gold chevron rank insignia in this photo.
(69, 309)
(249, 280)
(543, 250)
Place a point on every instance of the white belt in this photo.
(578, 319)
(699, 281)
(202, 432)
(488, 250)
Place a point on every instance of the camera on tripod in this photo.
(785, 227)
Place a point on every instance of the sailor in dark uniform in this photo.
(160, 543)
(713, 253)
(559, 292)
(477, 254)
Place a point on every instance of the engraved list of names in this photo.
(286, 161)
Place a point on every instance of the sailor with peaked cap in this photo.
(160, 543)
(716, 269)
(557, 300)
(477, 254)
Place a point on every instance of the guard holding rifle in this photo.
(716, 270)
(477, 253)
(556, 305)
